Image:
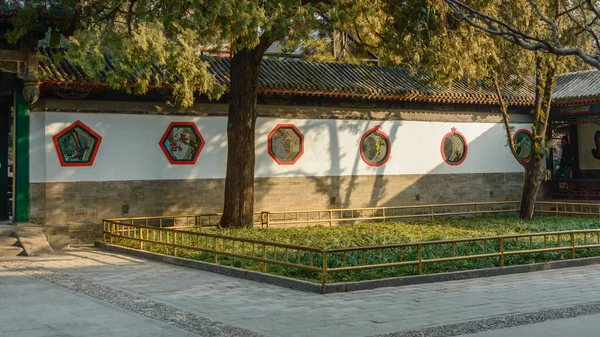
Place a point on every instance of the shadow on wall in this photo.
(501, 179)
(414, 174)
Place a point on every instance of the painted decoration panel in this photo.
(454, 148)
(286, 144)
(523, 144)
(375, 147)
(182, 143)
(77, 145)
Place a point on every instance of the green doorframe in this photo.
(21, 162)
(4, 121)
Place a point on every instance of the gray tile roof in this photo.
(577, 86)
(299, 77)
(294, 76)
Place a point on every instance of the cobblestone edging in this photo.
(137, 304)
(500, 322)
(288, 282)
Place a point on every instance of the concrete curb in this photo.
(291, 283)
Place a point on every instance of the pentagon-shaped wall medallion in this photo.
(77, 145)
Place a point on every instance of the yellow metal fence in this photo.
(174, 241)
(323, 263)
(183, 236)
(179, 221)
(331, 217)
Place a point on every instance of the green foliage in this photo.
(371, 234)
(375, 234)
(172, 35)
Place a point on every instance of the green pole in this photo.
(4, 119)
(21, 162)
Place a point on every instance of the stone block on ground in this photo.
(33, 240)
(58, 242)
(7, 241)
(9, 251)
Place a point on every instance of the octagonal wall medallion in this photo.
(77, 145)
(454, 148)
(375, 147)
(286, 144)
(182, 143)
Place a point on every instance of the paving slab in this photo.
(437, 309)
(10, 251)
(33, 240)
(37, 312)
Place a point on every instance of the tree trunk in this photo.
(534, 175)
(238, 208)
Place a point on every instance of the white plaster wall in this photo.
(130, 150)
(585, 134)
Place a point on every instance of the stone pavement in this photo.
(220, 305)
(34, 308)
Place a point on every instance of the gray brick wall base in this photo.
(60, 204)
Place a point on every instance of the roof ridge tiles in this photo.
(289, 76)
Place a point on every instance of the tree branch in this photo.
(509, 32)
(505, 119)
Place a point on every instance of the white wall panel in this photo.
(130, 150)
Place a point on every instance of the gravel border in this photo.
(143, 306)
(500, 322)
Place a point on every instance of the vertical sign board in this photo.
(4, 120)
(21, 162)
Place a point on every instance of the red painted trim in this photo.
(69, 128)
(166, 152)
(288, 126)
(530, 135)
(388, 143)
(454, 132)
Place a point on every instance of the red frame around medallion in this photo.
(376, 130)
(69, 128)
(454, 132)
(288, 126)
(166, 152)
(530, 135)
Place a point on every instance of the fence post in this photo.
(142, 238)
(215, 257)
(264, 258)
(419, 258)
(501, 243)
(431, 211)
(572, 245)
(112, 230)
(174, 243)
(324, 272)
(383, 214)
(264, 219)
(330, 218)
